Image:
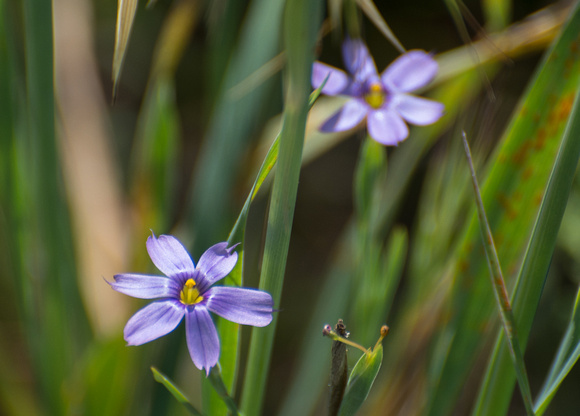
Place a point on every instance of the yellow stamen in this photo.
(189, 294)
(375, 97)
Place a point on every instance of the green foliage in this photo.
(401, 245)
(361, 380)
(175, 392)
(567, 355)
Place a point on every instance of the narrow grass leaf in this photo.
(126, 10)
(175, 391)
(56, 323)
(215, 378)
(566, 358)
(238, 230)
(496, 390)
(231, 126)
(229, 331)
(302, 19)
(361, 380)
(369, 8)
(514, 188)
(500, 290)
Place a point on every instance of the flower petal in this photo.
(153, 321)
(351, 114)
(387, 127)
(338, 82)
(242, 306)
(169, 256)
(145, 286)
(358, 60)
(202, 338)
(417, 110)
(215, 264)
(413, 70)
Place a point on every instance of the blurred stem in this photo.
(500, 291)
(56, 322)
(300, 29)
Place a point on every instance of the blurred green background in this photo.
(379, 235)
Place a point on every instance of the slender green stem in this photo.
(500, 291)
(237, 232)
(301, 22)
(215, 378)
(175, 391)
(328, 332)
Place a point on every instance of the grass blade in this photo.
(175, 392)
(567, 356)
(361, 380)
(496, 390)
(369, 8)
(126, 10)
(215, 378)
(513, 190)
(301, 24)
(500, 291)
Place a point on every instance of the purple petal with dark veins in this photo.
(410, 71)
(202, 338)
(153, 321)
(338, 82)
(387, 127)
(169, 256)
(417, 110)
(358, 61)
(145, 286)
(242, 306)
(351, 114)
(215, 264)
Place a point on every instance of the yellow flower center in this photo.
(189, 294)
(375, 97)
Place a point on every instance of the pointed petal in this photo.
(338, 82)
(419, 111)
(242, 306)
(153, 321)
(145, 286)
(215, 264)
(169, 256)
(351, 114)
(358, 60)
(410, 71)
(387, 127)
(202, 338)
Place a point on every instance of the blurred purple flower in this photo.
(187, 291)
(383, 99)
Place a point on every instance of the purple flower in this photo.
(383, 99)
(187, 291)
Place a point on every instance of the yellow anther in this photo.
(189, 294)
(375, 97)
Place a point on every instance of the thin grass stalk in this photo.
(494, 396)
(57, 327)
(301, 27)
(500, 291)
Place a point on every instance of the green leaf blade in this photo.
(361, 380)
(175, 391)
(512, 193)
